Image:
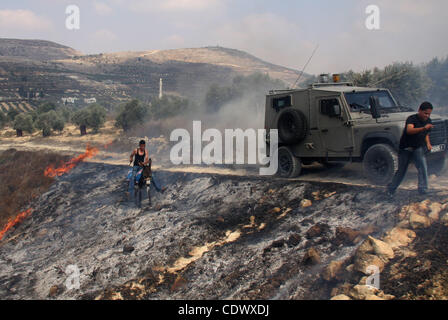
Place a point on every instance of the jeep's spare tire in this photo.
(292, 126)
(289, 166)
(380, 164)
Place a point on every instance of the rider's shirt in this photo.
(139, 158)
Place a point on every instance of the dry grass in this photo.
(22, 179)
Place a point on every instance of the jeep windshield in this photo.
(359, 101)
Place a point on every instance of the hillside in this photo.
(239, 61)
(30, 69)
(35, 49)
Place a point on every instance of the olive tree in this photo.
(23, 122)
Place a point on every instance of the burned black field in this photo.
(424, 276)
(207, 237)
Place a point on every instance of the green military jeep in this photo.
(335, 123)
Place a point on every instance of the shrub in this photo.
(93, 116)
(11, 115)
(167, 107)
(131, 114)
(3, 120)
(49, 121)
(23, 122)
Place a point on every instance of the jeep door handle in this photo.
(324, 130)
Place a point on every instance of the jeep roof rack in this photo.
(331, 84)
(275, 91)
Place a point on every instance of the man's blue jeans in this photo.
(132, 180)
(404, 158)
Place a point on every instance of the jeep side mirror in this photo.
(374, 107)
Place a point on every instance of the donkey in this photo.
(143, 180)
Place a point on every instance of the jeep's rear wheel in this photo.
(292, 126)
(289, 166)
(380, 163)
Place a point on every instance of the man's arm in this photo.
(411, 130)
(132, 156)
(428, 143)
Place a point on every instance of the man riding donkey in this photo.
(141, 159)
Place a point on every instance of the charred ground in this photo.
(207, 237)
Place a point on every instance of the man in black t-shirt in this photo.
(413, 144)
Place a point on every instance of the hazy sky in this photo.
(283, 32)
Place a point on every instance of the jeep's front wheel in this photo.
(289, 166)
(380, 163)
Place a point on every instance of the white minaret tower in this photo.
(161, 89)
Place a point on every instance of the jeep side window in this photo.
(282, 102)
(330, 107)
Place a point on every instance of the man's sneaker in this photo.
(423, 192)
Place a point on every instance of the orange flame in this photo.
(11, 223)
(52, 172)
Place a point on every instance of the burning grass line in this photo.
(52, 172)
(12, 222)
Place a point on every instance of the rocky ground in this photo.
(215, 236)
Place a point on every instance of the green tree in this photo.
(253, 88)
(12, 114)
(131, 114)
(81, 119)
(58, 122)
(3, 120)
(93, 116)
(409, 84)
(49, 121)
(168, 106)
(45, 107)
(97, 117)
(23, 122)
(65, 112)
(217, 96)
(437, 71)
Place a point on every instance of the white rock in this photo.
(381, 248)
(360, 292)
(444, 219)
(418, 221)
(435, 208)
(341, 297)
(364, 260)
(399, 237)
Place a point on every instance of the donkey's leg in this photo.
(148, 190)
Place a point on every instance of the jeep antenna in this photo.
(306, 64)
(398, 74)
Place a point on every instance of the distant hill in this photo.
(35, 49)
(28, 67)
(239, 61)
